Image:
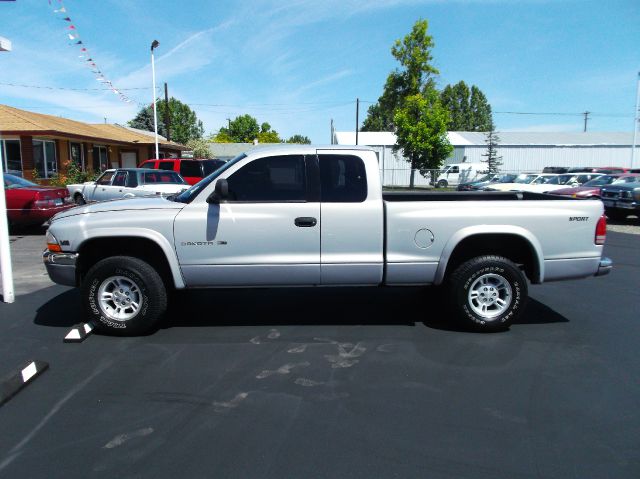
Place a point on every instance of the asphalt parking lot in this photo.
(328, 383)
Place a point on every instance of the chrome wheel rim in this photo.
(119, 298)
(489, 296)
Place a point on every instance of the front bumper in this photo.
(605, 267)
(61, 267)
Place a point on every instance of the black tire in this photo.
(442, 184)
(616, 214)
(79, 199)
(497, 272)
(148, 288)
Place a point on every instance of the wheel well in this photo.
(511, 246)
(97, 249)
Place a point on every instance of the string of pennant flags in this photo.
(71, 31)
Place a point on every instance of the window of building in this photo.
(342, 179)
(100, 158)
(76, 154)
(275, 179)
(44, 158)
(11, 157)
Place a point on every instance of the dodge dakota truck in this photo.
(312, 216)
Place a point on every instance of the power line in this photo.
(43, 87)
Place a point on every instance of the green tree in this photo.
(184, 123)
(144, 121)
(421, 130)
(267, 135)
(493, 161)
(469, 109)
(242, 129)
(415, 75)
(200, 148)
(480, 111)
(299, 139)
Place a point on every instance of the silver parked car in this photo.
(128, 183)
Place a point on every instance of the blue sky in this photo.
(298, 64)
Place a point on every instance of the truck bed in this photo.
(393, 196)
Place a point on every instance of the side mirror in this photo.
(220, 192)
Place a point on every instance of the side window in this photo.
(132, 180)
(120, 178)
(191, 168)
(342, 179)
(148, 164)
(454, 169)
(274, 178)
(165, 165)
(105, 179)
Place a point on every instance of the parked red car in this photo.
(31, 204)
(591, 189)
(191, 170)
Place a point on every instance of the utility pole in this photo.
(6, 267)
(332, 132)
(167, 117)
(586, 118)
(357, 117)
(154, 45)
(229, 123)
(636, 123)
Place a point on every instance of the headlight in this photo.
(636, 195)
(52, 243)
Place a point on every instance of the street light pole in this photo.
(154, 45)
(8, 295)
(636, 124)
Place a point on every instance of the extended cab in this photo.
(304, 215)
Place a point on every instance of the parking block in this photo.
(15, 381)
(79, 332)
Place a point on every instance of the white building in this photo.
(520, 151)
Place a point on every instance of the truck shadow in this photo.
(297, 306)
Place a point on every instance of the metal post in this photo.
(155, 112)
(586, 117)
(167, 116)
(636, 123)
(357, 118)
(6, 268)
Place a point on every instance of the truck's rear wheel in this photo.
(488, 292)
(79, 199)
(124, 296)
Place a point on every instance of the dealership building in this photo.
(520, 151)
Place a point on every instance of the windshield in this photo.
(507, 179)
(558, 180)
(11, 182)
(601, 181)
(484, 178)
(627, 179)
(525, 179)
(188, 195)
(162, 177)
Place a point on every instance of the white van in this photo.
(456, 173)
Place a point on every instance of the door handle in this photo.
(306, 222)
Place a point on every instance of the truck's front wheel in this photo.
(124, 296)
(488, 292)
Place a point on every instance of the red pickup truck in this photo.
(191, 170)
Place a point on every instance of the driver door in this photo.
(266, 233)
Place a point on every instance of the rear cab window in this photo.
(343, 179)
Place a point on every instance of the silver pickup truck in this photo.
(311, 216)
